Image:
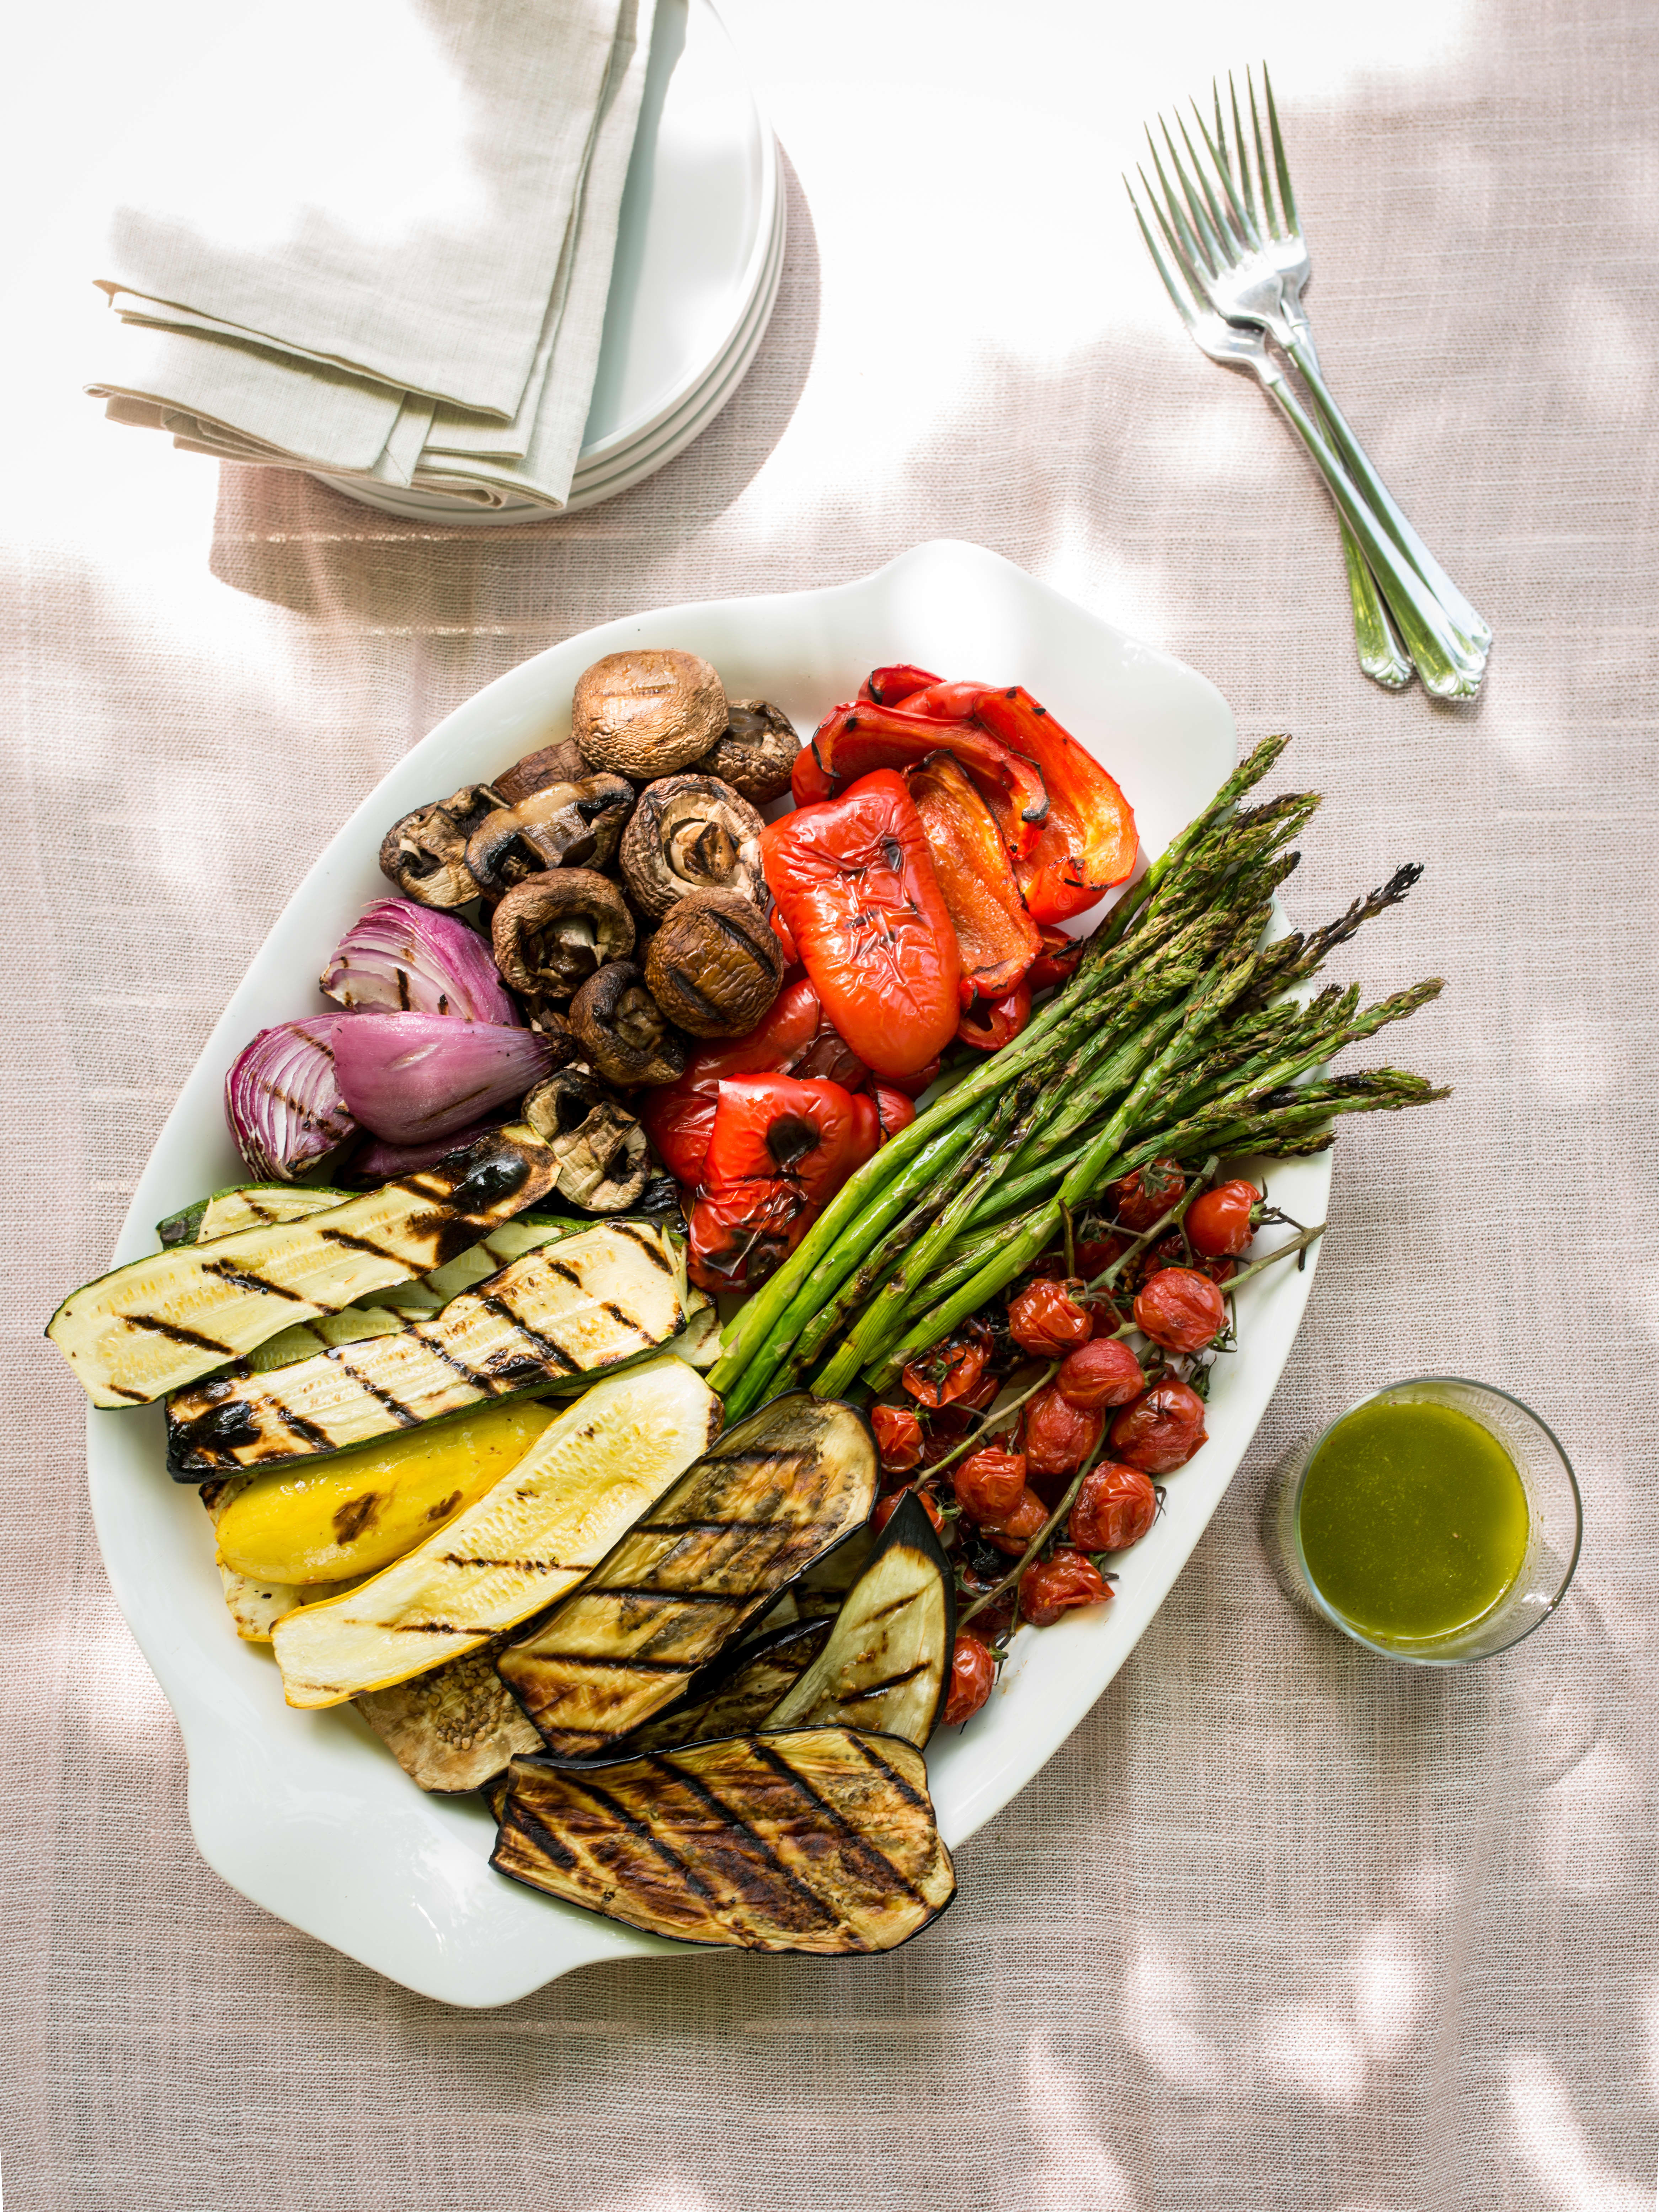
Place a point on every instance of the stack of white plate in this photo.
(699, 253)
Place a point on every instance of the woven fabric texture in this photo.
(1281, 1926)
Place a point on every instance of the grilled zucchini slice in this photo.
(737, 1691)
(587, 1302)
(812, 1839)
(887, 1663)
(778, 1490)
(454, 1728)
(549, 1520)
(161, 1322)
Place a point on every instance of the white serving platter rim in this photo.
(305, 1813)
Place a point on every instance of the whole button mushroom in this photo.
(559, 762)
(424, 853)
(715, 965)
(552, 932)
(622, 1031)
(691, 833)
(755, 751)
(562, 826)
(647, 712)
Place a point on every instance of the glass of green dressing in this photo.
(1436, 1521)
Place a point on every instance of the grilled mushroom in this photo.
(424, 853)
(755, 751)
(691, 833)
(647, 712)
(605, 1162)
(716, 965)
(551, 932)
(623, 1031)
(563, 826)
(559, 762)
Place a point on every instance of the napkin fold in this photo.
(411, 295)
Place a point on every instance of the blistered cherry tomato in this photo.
(1218, 1224)
(1053, 1586)
(1104, 1373)
(948, 1371)
(1092, 1256)
(1114, 1507)
(1145, 1195)
(989, 1483)
(1014, 1532)
(973, 1676)
(898, 1437)
(1181, 1309)
(1171, 1252)
(1162, 1429)
(1059, 1436)
(1043, 1320)
(888, 1506)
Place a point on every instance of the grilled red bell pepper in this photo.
(1088, 842)
(679, 1117)
(989, 1028)
(891, 687)
(894, 1110)
(853, 740)
(779, 1150)
(998, 938)
(857, 887)
(1058, 961)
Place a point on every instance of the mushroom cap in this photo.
(604, 1161)
(691, 833)
(553, 931)
(559, 762)
(562, 826)
(424, 853)
(647, 713)
(715, 965)
(623, 1031)
(755, 752)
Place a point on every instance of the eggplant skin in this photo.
(820, 1840)
(738, 1691)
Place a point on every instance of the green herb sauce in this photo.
(1413, 1521)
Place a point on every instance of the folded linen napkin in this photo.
(430, 315)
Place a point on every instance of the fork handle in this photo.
(1450, 666)
(1464, 619)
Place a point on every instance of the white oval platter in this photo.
(305, 1813)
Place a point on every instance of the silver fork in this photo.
(1442, 656)
(1243, 249)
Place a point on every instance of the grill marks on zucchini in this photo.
(548, 1521)
(161, 1322)
(541, 1320)
(776, 1491)
(820, 1840)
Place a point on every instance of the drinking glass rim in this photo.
(1392, 1651)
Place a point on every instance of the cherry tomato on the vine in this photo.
(1171, 1252)
(1219, 1223)
(898, 1437)
(1114, 1508)
(1146, 1195)
(949, 1370)
(989, 1483)
(1051, 1587)
(1104, 1373)
(1181, 1309)
(888, 1506)
(973, 1676)
(1013, 1532)
(1059, 1436)
(1044, 1319)
(1162, 1429)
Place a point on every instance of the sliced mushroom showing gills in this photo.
(622, 1031)
(647, 713)
(424, 853)
(691, 833)
(755, 751)
(553, 931)
(604, 1161)
(716, 965)
(563, 826)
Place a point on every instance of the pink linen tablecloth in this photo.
(1282, 1926)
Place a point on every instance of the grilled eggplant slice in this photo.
(777, 1490)
(549, 1520)
(588, 1303)
(737, 1691)
(887, 1663)
(454, 1728)
(161, 1322)
(812, 1839)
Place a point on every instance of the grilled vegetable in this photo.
(738, 1690)
(818, 1839)
(362, 1509)
(887, 1663)
(548, 1521)
(161, 1321)
(589, 1302)
(254, 1603)
(247, 1205)
(776, 1490)
(454, 1728)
